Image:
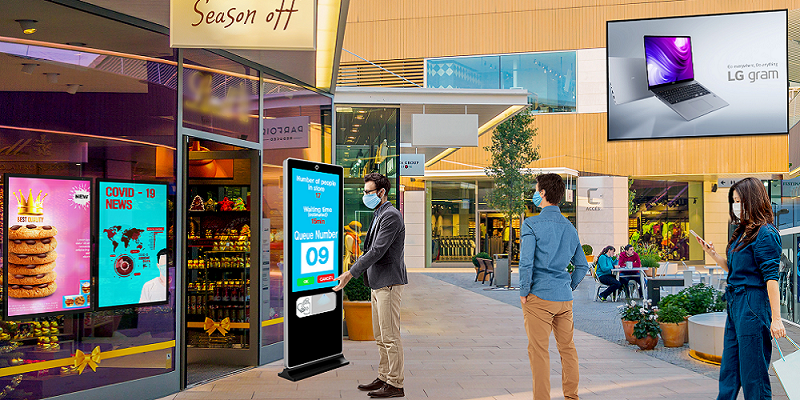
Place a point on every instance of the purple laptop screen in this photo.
(669, 59)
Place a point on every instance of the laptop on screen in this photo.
(670, 76)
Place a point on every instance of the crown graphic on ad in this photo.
(30, 206)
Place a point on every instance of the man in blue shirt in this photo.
(549, 243)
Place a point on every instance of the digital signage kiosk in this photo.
(313, 204)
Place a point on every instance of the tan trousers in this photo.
(386, 328)
(541, 317)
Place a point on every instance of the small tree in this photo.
(512, 151)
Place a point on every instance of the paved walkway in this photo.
(463, 345)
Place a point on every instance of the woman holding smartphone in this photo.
(752, 261)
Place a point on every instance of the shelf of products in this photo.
(218, 268)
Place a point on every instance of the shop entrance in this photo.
(221, 274)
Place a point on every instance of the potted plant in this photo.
(630, 316)
(358, 310)
(650, 261)
(587, 251)
(672, 320)
(696, 299)
(646, 332)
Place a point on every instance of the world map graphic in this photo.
(117, 234)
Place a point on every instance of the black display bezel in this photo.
(304, 336)
(96, 259)
(6, 226)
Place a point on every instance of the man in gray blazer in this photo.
(385, 275)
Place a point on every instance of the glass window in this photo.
(549, 77)
(366, 142)
(219, 96)
(283, 101)
(661, 215)
(86, 113)
(453, 220)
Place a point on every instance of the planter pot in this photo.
(686, 336)
(647, 343)
(627, 327)
(590, 258)
(674, 334)
(358, 317)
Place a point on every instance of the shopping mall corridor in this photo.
(463, 345)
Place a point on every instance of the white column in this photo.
(414, 215)
(602, 211)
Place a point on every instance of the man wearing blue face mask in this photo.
(548, 244)
(385, 275)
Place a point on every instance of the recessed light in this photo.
(52, 77)
(73, 88)
(28, 68)
(79, 44)
(28, 25)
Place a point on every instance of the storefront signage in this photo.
(287, 133)
(132, 243)
(412, 164)
(47, 245)
(790, 187)
(313, 224)
(244, 24)
(727, 182)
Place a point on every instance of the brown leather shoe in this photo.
(375, 385)
(387, 391)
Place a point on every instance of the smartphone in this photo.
(698, 236)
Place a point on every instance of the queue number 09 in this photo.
(316, 257)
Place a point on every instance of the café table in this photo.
(641, 271)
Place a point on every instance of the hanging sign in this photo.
(412, 164)
(244, 24)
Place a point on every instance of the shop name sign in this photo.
(412, 164)
(287, 133)
(244, 24)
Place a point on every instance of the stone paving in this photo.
(460, 344)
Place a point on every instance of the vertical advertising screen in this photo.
(695, 76)
(313, 220)
(47, 250)
(132, 243)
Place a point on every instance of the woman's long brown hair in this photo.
(756, 211)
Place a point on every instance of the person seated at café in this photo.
(605, 264)
(629, 255)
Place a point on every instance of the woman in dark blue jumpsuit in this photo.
(752, 262)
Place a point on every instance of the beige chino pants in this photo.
(386, 328)
(542, 317)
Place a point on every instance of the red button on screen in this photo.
(325, 278)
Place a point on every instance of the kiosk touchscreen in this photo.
(312, 218)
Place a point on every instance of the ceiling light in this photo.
(73, 88)
(52, 77)
(28, 25)
(28, 68)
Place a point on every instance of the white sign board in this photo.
(244, 24)
(727, 182)
(445, 130)
(412, 164)
(287, 133)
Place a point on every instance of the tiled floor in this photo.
(462, 345)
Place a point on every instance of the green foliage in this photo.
(480, 255)
(570, 268)
(648, 250)
(697, 299)
(512, 151)
(650, 261)
(356, 290)
(587, 250)
(632, 207)
(630, 311)
(671, 314)
(647, 327)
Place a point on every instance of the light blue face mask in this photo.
(537, 199)
(371, 200)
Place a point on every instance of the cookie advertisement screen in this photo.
(48, 245)
(132, 243)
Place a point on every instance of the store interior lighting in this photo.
(52, 77)
(28, 68)
(73, 88)
(28, 26)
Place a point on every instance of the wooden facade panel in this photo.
(578, 141)
(395, 29)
